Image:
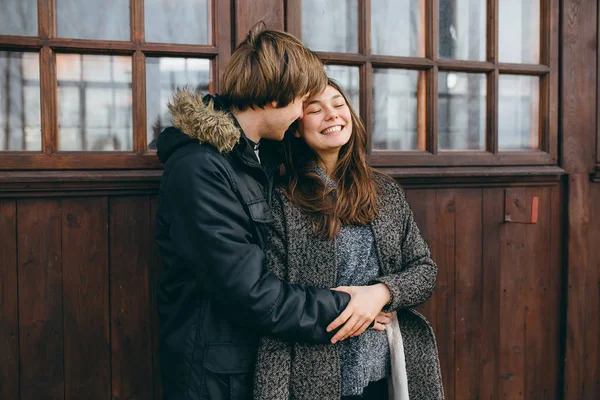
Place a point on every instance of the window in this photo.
(85, 83)
(443, 82)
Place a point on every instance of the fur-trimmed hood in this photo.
(199, 118)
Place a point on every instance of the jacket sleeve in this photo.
(411, 282)
(212, 232)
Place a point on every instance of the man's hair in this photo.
(353, 201)
(271, 65)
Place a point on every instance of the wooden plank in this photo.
(592, 339)
(445, 257)
(249, 12)
(556, 300)
(9, 317)
(422, 203)
(539, 319)
(156, 273)
(85, 294)
(468, 291)
(40, 299)
(513, 264)
(493, 217)
(131, 347)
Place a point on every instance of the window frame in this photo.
(547, 70)
(48, 45)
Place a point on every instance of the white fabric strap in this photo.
(399, 380)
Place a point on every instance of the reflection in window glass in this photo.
(398, 109)
(163, 76)
(518, 112)
(94, 103)
(348, 78)
(398, 27)
(519, 31)
(462, 29)
(20, 121)
(164, 21)
(93, 19)
(461, 111)
(330, 25)
(19, 17)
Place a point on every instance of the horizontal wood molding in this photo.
(78, 183)
(105, 182)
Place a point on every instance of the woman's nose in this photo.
(331, 113)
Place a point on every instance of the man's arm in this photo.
(211, 230)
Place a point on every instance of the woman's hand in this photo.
(366, 303)
(381, 320)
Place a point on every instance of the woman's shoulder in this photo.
(387, 186)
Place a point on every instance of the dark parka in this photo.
(217, 296)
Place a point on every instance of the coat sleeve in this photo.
(212, 232)
(412, 281)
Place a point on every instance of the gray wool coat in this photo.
(308, 372)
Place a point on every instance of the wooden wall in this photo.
(77, 305)
(77, 314)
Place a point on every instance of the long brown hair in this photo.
(354, 199)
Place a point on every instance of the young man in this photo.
(217, 297)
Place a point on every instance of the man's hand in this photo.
(365, 305)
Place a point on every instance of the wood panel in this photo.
(40, 289)
(443, 253)
(497, 306)
(468, 290)
(579, 105)
(156, 273)
(9, 323)
(131, 344)
(86, 298)
(249, 12)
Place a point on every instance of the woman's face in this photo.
(327, 123)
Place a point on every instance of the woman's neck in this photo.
(328, 162)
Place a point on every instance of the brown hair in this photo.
(271, 65)
(353, 201)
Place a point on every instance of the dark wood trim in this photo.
(20, 43)
(139, 103)
(492, 31)
(447, 158)
(190, 50)
(293, 17)
(342, 58)
(104, 182)
(65, 183)
(83, 160)
(223, 29)
(137, 21)
(552, 60)
(364, 27)
(401, 62)
(446, 64)
(48, 109)
(492, 112)
(432, 29)
(432, 113)
(523, 69)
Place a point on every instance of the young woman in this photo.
(339, 223)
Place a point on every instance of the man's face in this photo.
(279, 119)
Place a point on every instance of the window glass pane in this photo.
(518, 112)
(18, 17)
(461, 111)
(330, 25)
(398, 109)
(519, 31)
(93, 19)
(348, 78)
(164, 21)
(20, 121)
(163, 76)
(94, 103)
(398, 27)
(462, 29)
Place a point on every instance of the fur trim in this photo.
(201, 121)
